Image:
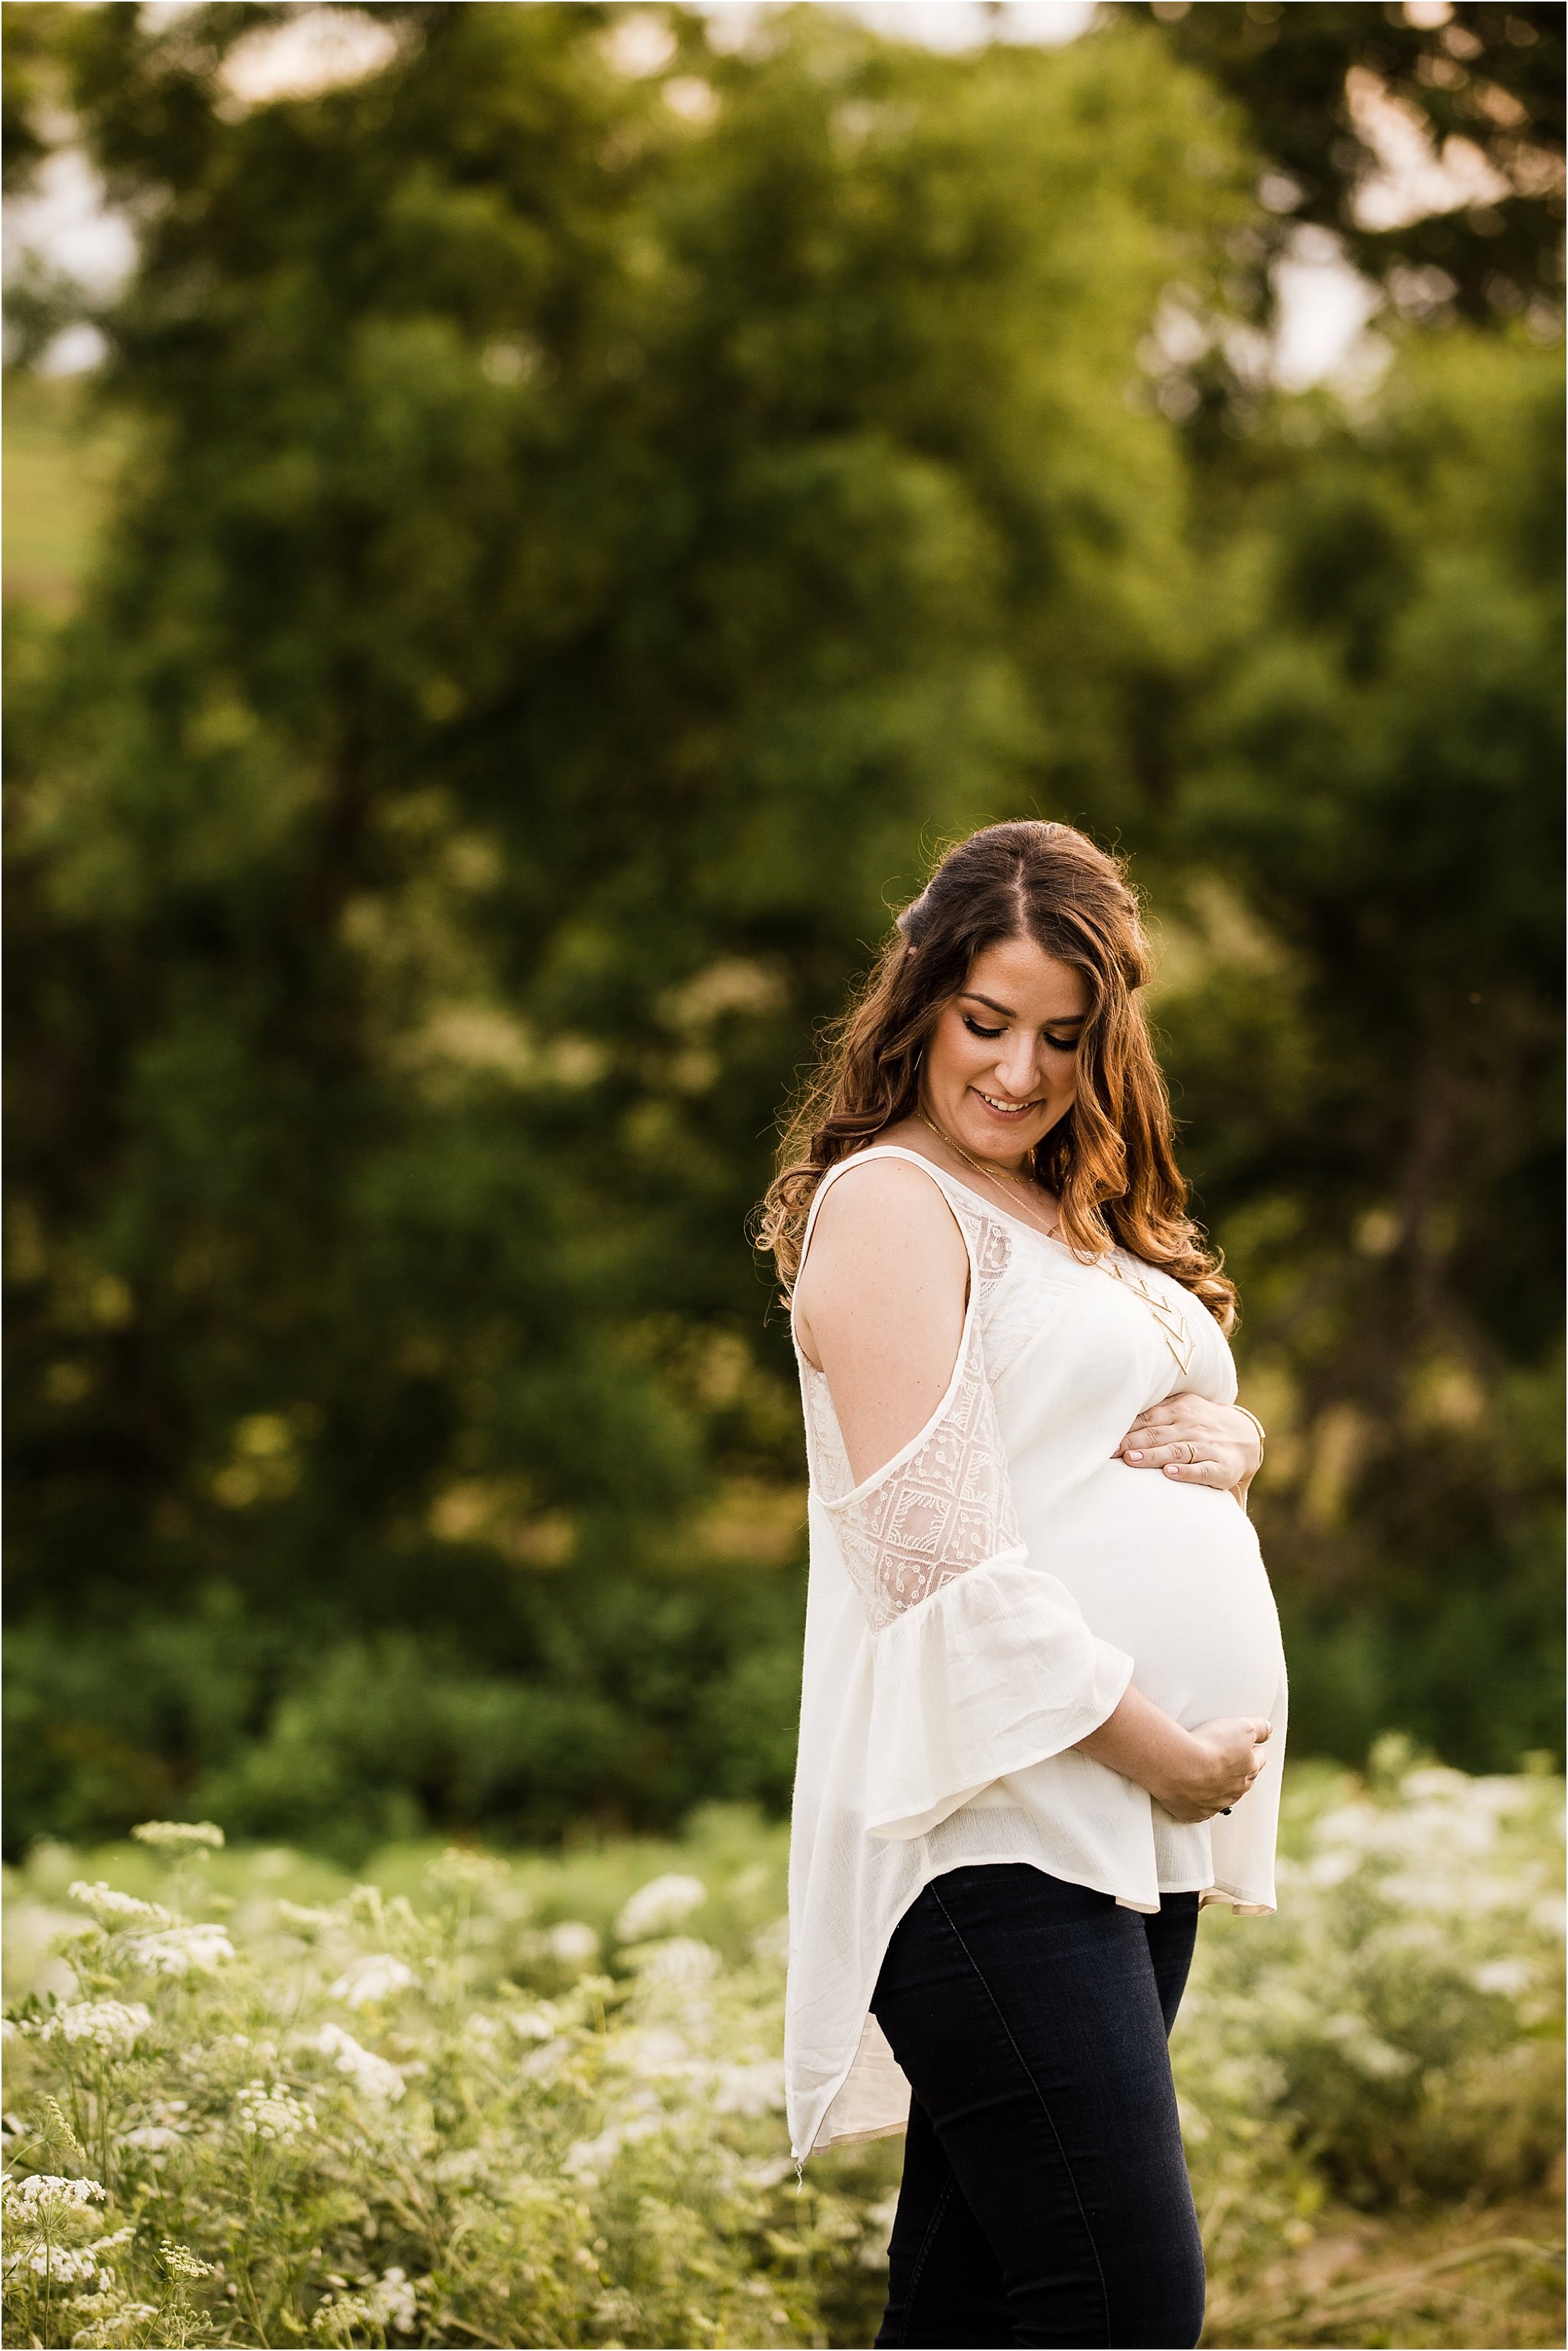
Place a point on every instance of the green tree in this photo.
(1487, 73)
(1367, 1033)
(586, 527)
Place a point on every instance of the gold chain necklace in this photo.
(1171, 1321)
(996, 1174)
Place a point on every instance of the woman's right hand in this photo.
(1218, 1763)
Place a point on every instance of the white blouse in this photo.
(979, 1605)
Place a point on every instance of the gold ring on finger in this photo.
(1191, 1456)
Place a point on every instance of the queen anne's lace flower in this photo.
(179, 1837)
(374, 1978)
(573, 1942)
(753, 2089)
(105, 2023)
(180, 1951)
(271, 2111)
(181, 2262)
(660, 1904)
(47, 2192)
(112, 1908)
(373, 2077)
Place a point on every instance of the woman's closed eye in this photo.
(1057, 1044)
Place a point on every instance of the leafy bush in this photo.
(538, 2100)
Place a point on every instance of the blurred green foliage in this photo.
(1323, 83)
(595, 512)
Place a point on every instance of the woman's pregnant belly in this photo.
(1172, 1574)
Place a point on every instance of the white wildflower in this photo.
(751, 2090)
(373, 2077)
(304, 1919)
(588, 2159)
(655, 2053)
(59, 2264)
(376, 1976)
(110, 1908)
(272, 2113)
(1434, 1779)
(154, 2139)
(547, 2060)
(105, 2023)
(539, 2023)
(182, 2262)
(46, 2192)
(683, 1964)
(181, 1950)
(394, 2303)
(1507, 1976)
(381, 2305)
(574, 1942)
(657, 1907)
(119, 2321)
(178, 1836)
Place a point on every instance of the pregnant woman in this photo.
(1044, 1695)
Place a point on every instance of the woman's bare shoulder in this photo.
(884, 1233)
(888, 1266)
(876, 1196)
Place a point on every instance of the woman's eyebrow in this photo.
(1062, 1021)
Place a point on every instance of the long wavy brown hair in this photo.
(1111, 1160)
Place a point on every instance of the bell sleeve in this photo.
(981, 1663)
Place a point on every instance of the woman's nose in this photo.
(1017, 1074)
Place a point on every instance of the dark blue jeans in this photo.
(1045, 2195)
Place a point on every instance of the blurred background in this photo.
(527, 526)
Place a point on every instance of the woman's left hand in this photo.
(1201, 1444)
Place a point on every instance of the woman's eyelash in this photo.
(1058, 1044)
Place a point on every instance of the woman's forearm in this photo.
(1143, 1742)
(1191, 1774)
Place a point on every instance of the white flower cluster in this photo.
(46, 2192)
(112, 1908)
(372, 2076)
(68, 2264)
(657, 1907)
(271, 2111)
(179, 1837)
(35, 2209)
(384, 2305)
(181, 1950)
(104, 2023)
(573, 1942)
(182, 2262)
(374, 1978)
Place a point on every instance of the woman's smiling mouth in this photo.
(1006, 1109)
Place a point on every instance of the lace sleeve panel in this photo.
(938, 1509)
